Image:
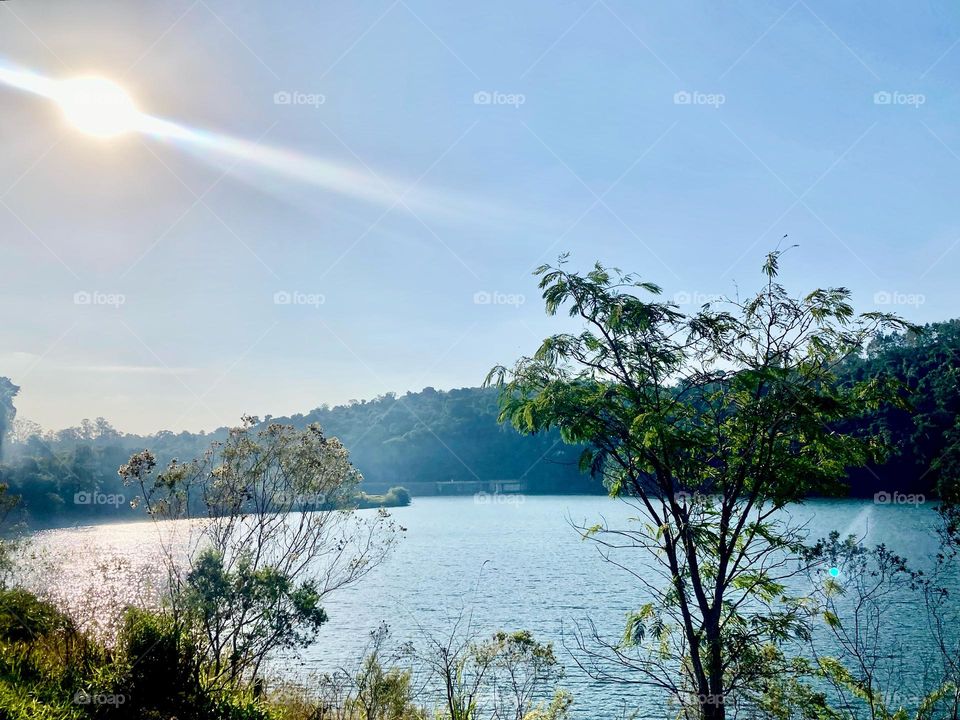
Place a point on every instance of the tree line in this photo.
(418, 439)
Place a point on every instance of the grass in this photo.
(50, 670)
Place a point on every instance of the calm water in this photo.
(513, 565)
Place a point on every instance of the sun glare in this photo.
(98, 106)
(103, 110)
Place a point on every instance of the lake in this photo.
(514, 563)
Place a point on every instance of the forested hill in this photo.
(449, 441)
(435, 437)
(428, 442)
(925, 438)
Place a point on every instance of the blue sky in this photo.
(679, 140)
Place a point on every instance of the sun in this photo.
(98, 107)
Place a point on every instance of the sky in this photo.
(435, 154)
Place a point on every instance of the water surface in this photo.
(512, 564)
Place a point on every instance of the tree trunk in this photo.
(711, 710)
(714, 708)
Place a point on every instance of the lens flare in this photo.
(98, 107)
(101, 108)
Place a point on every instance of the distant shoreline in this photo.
(96, 521)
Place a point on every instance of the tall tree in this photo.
(8, 391)
(710, 424)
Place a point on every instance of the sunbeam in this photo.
(99, 107)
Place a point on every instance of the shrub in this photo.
(397, 497)
(160, 665)
(25, 617)
(45, 661)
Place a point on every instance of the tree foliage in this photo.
(277, 534)
(710, 424)
(8, 391)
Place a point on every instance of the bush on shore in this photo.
(394, 497)
(51, 670)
